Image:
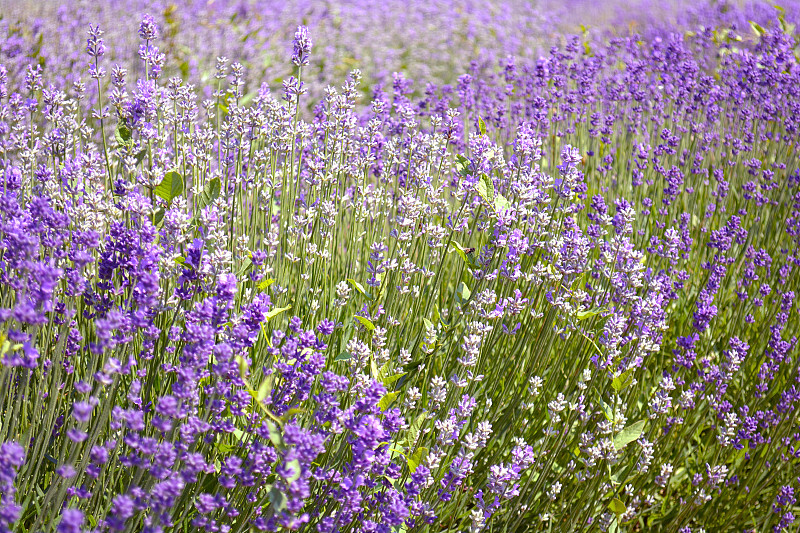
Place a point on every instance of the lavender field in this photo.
(399, 267)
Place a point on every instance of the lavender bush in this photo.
(545, 292)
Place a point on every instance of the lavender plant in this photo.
(558, 294)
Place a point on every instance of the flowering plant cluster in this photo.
(555, 294)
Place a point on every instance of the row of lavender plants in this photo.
(558, 294)
(431, 42)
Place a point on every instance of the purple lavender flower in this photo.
(148, 30)
(301, 47)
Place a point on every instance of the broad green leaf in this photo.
(416, 459)
(158, 217)
(629, 434)
(757, 29)
(501, 203)
(583, 315)
(485, 188)
(242, 365)
(391, 379)
(387, 400)
(623, 380)
(277, 499)
(462, 293)
(247, 264)
(344, 356)
(366, 322)
(122, 134)
(413, 430)
(224, 448)
(460, 251)
(607, 411)
(617, 507)
(359, 287)
(383, 372)
(462, 165)
(170, 187)
(291, 412)
(275, 312)
(274, 434)
(394, 453)
(211, 192)
(265, 388)
(373, 367)
(266, 283)
(296, 470)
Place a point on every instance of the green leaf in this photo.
(247, 264)
(288, 415)
(344, 356)
(481, 126)
(501, 203)
(462, 165)
(265, 388)
(413, 430)
(463, 293)
(757, 29)
(211, 192)
(275, 312)
(224, 448)
(617, 507)
(266, 283)
(360, 288)
(170, 187)
(623, 380)
(583, 315)
(415, 460)
(383, 372)
(391, 379)
(296, 470)
(607, 411)
(158, 217)
(629, 434)
(277, 499)
(387, 400)
(373, 367)
(274, 435)
(123, 134)
(242, 365)
(460, 251)
(140, 156)
(485, 188)
(366, 322)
